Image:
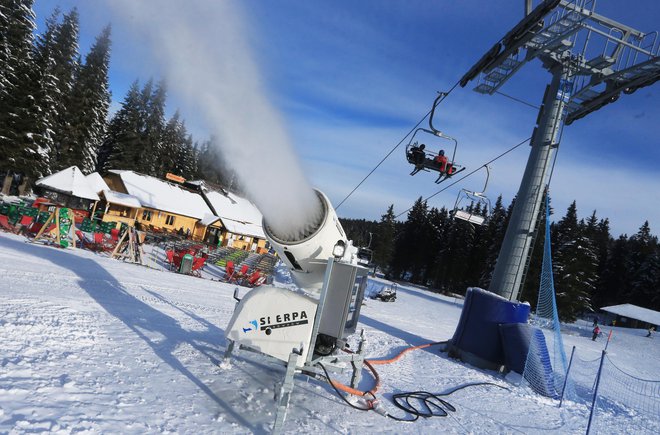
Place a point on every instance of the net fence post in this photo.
(568, 371)
(593, 402)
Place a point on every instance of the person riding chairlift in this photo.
(418, 155)
(441, 160)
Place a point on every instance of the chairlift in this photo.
(426, 160)
(477, 201)
(365, 257)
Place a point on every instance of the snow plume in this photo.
(203, 49)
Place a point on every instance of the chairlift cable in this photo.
(469, 174)
(393, 149)
(518, 100)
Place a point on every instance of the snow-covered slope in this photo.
(92, 344)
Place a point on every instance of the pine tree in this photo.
(212, 165)
(89, 104)
(493, 236)
(574, 266)
(615, 279)
(644, 267)
(170, 145)
(440, 222)
(153, 107)
(18, 144)
(185, 164)
(599, 234)
(383, 242)
(411, 245)
(120, 149)
(58, 59)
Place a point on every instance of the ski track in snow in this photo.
(93, 345)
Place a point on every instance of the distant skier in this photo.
(651, 330)
(596, 331)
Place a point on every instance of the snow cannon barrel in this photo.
(306, 254)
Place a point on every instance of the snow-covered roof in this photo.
(209, 219)
(635, 312)
(121, 198)
(70, 181)
(96, 182)
(161, 195)
(238, 214)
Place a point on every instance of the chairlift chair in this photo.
(477, 201)
(426, 160)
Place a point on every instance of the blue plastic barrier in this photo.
(477, 338)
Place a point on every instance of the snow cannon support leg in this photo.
(230, 349)
(284, 394)
(358, 363)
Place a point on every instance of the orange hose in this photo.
(370, 363)
(378, 362)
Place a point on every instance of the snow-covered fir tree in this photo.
(153, 106)
(574, 266)
(17, 86)
(58, 59)
(88, 105)
(120, 149)
(643, 265)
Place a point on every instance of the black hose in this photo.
(359, 408)
(425, 404)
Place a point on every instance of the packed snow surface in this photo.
(94, 345)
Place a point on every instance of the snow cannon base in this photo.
(477, 339)
(308, 335)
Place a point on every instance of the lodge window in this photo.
(146, 215)
(169, 220)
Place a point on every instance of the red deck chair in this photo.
(169, 255)
(4, 224)
(255, 279)
(114, 233)
(176, 260)
(229, 271)
(240, 275)
(198, 265)
(26, 221)
(81, 238)
(100, 243)
(34, 228)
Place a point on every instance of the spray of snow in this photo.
(203, 49)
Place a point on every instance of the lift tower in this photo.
(591, 59)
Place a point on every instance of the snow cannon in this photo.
(307, 253)
(323, 263)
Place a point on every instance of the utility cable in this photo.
(393, 149)
(467, 175)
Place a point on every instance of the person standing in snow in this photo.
(596, 331)
(651, 330)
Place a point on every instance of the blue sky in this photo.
(349, 79)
